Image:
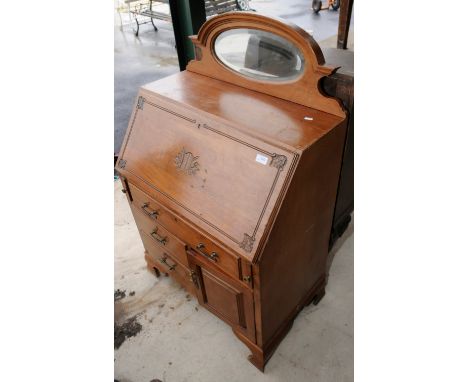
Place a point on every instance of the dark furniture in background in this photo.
(345, 19)
(341, 85)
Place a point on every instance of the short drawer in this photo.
(161, 236)
(157, 257)
(156, 212)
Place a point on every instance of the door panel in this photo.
(227, 298)
(220, 296)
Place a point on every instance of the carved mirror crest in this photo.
(266, 55)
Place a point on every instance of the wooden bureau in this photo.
(231, 170)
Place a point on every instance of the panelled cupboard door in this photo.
(225, 297)
(209, 173)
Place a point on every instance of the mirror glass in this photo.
(259, 54)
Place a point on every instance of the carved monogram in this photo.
(186, 162)
(247, 243)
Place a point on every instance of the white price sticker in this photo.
(261, 159)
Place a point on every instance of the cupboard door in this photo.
(225, 297)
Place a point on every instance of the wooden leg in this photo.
(258, 360)
(151, 266)
(338, 230)
(258, 357)
(346, 7)
(318, 297)
(261, 354)
(317, 293)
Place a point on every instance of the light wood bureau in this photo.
(231, 171)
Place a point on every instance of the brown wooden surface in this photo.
(254, 235)
(184, 232)
(346, 8)
(230, 300)
(161, 236)
(303, 91)
(289, 266)
(226, 167)
(156, 257)
(271, 119)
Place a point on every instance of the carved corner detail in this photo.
(186, 162)
(122, 163)
(247, 243)
(278, 161)
(141, 101)
(198, 53)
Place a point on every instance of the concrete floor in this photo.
(181, 341)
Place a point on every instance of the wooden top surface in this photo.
(277, 120)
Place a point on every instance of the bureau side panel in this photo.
(293, 263)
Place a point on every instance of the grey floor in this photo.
(180, 341)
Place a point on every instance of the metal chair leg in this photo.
(138, 26)
(155, 27)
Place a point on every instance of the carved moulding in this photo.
(247, 243)
(278, 161)
(141, 101)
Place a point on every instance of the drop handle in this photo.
(158, 238)
(153, 214)
(163, 260)
(213, 256)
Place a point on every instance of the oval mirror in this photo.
(258, 54)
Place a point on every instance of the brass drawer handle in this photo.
(193, 278)
(158, 238)
(213, 256)
(163, 260)
(152, 214)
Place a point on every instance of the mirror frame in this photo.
(265, 78)
(304, 90)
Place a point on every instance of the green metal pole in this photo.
(187, 18)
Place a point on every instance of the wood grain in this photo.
(304, 90)
(233, 182)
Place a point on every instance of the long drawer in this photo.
(161, 236)
(156, 212)
(157, 257)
